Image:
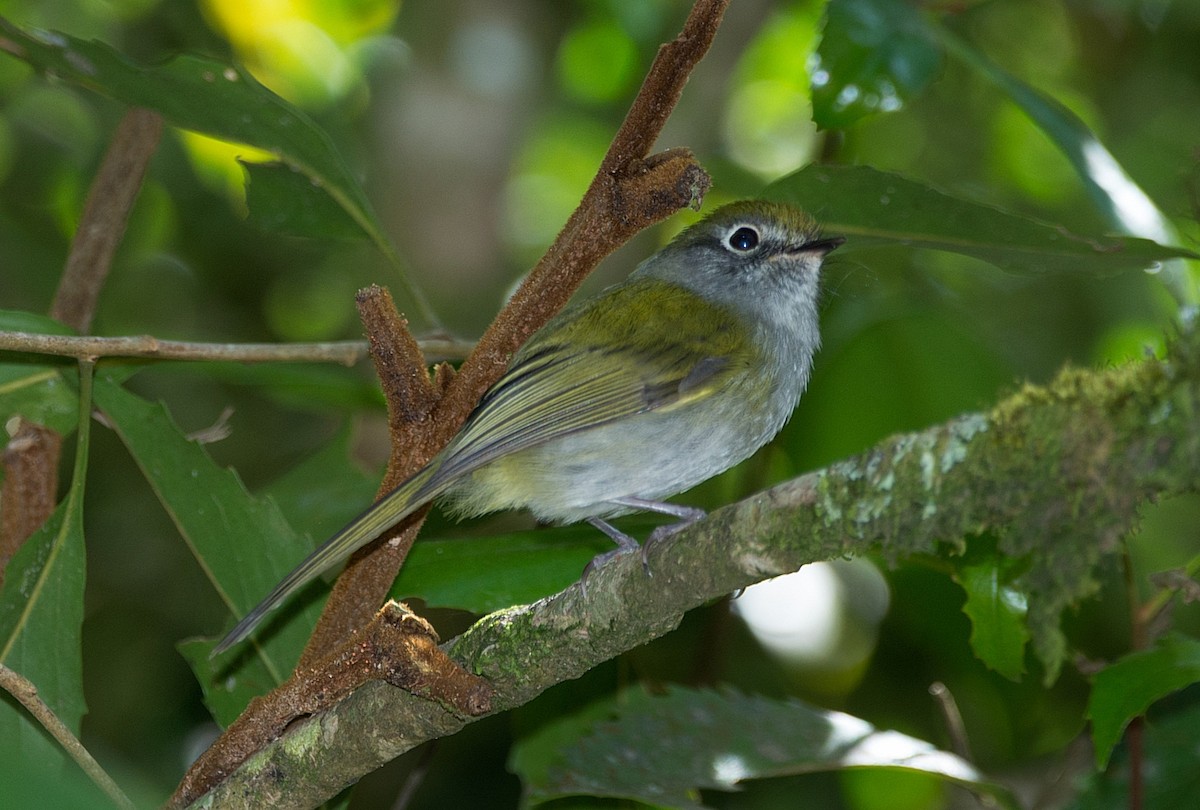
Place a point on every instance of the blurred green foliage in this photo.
(471, 129)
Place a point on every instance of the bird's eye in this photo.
(744, 239)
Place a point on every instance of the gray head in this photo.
(762, 258)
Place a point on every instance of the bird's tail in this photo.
(388, 511)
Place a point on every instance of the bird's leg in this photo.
(624, 542)
(687, 516)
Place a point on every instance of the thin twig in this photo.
(346, 352)
(955, 727)
(105, 216)
(25, 692)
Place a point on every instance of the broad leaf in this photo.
(325, 491)
(243, 543)
(41, 617)
(874, 56)
(482, 574)
(283, 199)
(39, 388)
(873, 207)
(997, 613)
(1117, 195)
(1126, 689)
(661, 750)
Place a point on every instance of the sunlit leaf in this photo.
(1117, 195)
(243, 543)
(1126, 689)
(662, 750)
(874, 56)
(41, 618)
(873, 207)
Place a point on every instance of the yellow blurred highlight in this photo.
(301, 49)
(215, 164)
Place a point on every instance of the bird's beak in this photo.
(823, 247)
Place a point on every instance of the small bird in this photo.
(654, 385)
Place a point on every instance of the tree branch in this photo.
(346, 352)
(1084, 451)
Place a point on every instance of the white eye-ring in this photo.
(743, 239)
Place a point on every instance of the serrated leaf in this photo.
(1126, 689)
(873, 207)
(662, 750)
(997, 613)
(874, 55)
(243, 543)
(41, 617)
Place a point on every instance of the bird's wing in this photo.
(608, 360)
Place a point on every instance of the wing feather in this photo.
(595, 369)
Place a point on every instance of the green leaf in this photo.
(243, 543)
(997, 613)
(306, 386)
(41, 616)
(281, 198)
(873, 207)
(16, 320)
(40, 389)
(1117, 196)
(326, 490)
(661, 750)
(216, 99)
(1170, 766)
(482, 574)
(1126, 689)
(874, 56)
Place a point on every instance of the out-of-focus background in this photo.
(475, 126)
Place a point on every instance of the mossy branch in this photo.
(1057, 471)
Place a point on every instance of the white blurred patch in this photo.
(825, 613)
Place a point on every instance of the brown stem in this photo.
(30, 485)
(631, 191)
(105, 215)
(397, 646)
(1139, 640)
